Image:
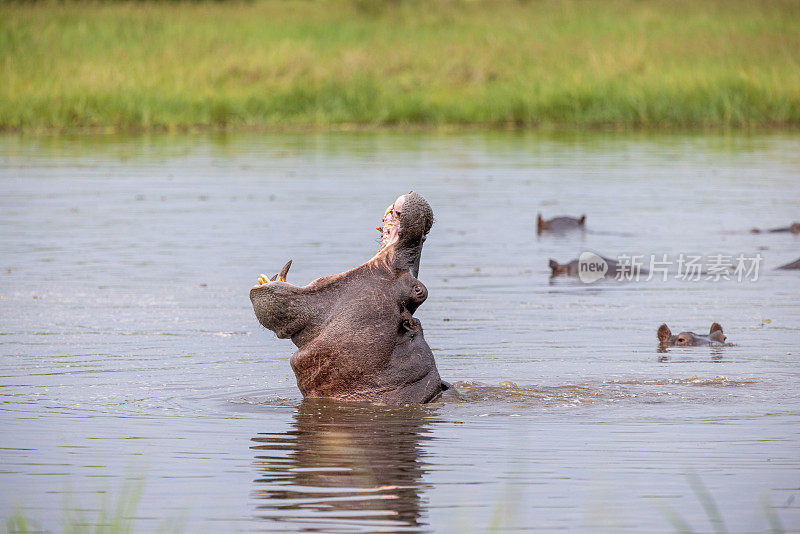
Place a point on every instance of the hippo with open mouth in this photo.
(715, 337)
(356, 334)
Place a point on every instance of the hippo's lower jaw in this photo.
(408, 376)
(356, 335)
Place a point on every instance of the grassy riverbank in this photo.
(273, 63)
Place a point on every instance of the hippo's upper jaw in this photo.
(355, 331)
(406, 224)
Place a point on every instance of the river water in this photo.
(137, 385)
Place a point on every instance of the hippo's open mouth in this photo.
(390, 229)
(403, 228)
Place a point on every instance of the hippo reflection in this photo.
(559, 225)
(343, 467)
(715, 337)
(356, 334)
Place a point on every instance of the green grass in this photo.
(713, 514)
(111, 518)
(277, 63)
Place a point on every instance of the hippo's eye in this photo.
(417, 290)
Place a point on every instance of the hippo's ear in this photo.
(716, 327)
(582, 219)
(553, 266)
(664, 333)
(540, 224)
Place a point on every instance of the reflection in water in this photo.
(343, 468)
(717, 354)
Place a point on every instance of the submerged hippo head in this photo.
(590, 267)
(566, 269)
(687, 339)
(355, 331)
(559, 225)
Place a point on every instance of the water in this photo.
(132, 364)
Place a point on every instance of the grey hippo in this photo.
(715, 337)
(793, 228)
(615, 269)
(356, 335)
(559, 225)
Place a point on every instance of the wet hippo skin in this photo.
(687, 339)
(559, 225)
(356, 334)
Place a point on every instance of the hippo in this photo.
(715, 337)
(559, 225)
(355, 331)
(793, 228)
(615, 269)
(793, 265)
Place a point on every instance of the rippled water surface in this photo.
(134, 372)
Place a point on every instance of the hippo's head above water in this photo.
(559, 225)
(614, 269)
(565, 269)
(687, 339)
(355, 331)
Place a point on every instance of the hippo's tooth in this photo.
(284, 271)
(379, 229)
(273, 278)
(262, 279)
